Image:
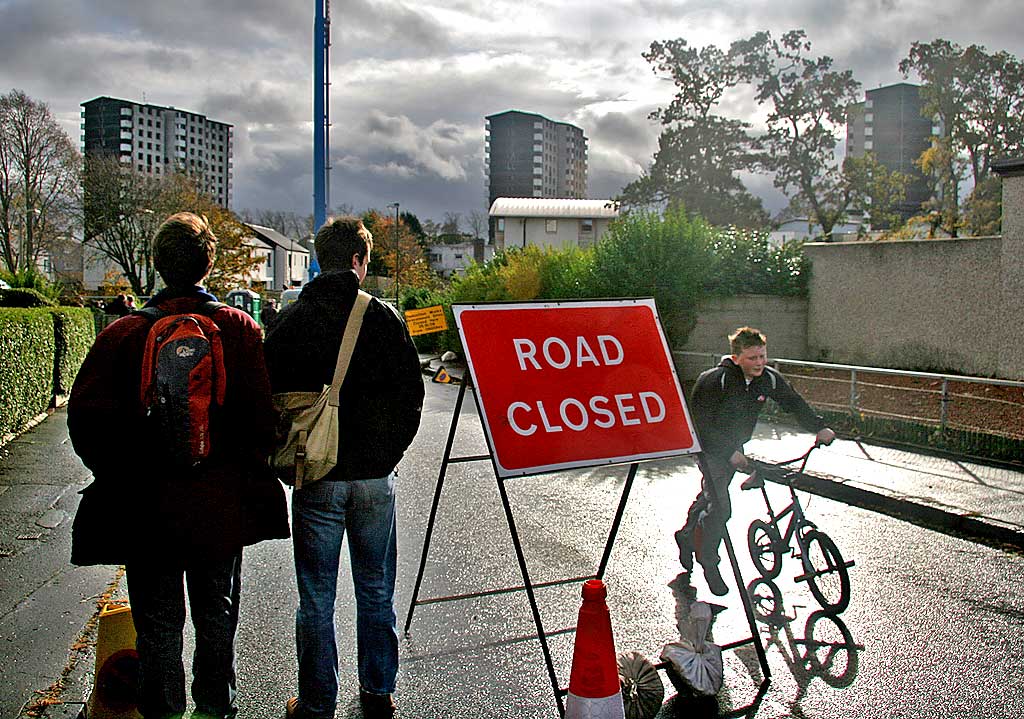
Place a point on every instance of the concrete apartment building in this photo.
(156, 140)
(528, 155)
(889, 123)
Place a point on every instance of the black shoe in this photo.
(684, 540)
(377, 705)
(714, 579)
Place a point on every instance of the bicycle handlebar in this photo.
(802, 459)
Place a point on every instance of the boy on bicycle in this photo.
(725, 404)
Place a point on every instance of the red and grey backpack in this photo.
(183, 379)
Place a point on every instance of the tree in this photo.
(451, 224)
(978, 100)
(120, 212)
(807, 102)
(699, 153)
(875, 191)
(123, 209)
(236, 262)
(411, 221)
(478, 222)
(39, 180)
(665, 257)
(407, 255)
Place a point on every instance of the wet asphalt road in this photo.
(935, 626)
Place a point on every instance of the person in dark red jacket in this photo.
(166, 521)
(725, 404)
(381, 400)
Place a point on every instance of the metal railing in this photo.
(943, 401)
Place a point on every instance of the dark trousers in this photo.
(158, 609)
(705, 521)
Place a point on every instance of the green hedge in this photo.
(26, 373)
(42, 349)
(74, 333)
(24, 297)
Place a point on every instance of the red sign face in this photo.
(574, 384)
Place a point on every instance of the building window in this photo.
(551, 226)
(501, 224)
(587, 225)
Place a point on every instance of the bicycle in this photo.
(825, 570)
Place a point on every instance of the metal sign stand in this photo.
(529, 585)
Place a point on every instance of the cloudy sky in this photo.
(412, 81)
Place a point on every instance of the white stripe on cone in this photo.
(587, 708)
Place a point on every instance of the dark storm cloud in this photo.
(412, 82)
(257, 103)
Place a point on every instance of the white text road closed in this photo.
(574, 384)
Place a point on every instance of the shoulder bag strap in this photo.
(348, 344)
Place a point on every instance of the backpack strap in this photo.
(154, 313)
(348, 344)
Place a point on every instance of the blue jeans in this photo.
(157, 596)
(322, 513)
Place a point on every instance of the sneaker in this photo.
(754, 481)
(377, 705)
(714, 579)
(685, 542)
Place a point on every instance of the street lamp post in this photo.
(398, 258)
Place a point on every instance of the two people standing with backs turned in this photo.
(191, 520)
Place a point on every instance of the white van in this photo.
(289, 296)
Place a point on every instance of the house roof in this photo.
(273, 237)
(553, 207)
(1008, 167)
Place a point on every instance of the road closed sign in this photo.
(574, 384)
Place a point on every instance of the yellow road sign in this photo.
(425, 320)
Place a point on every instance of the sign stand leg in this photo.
(437, 499)
(748, 609)
(618, 520)
(541, 635)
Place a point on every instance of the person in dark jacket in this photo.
(269, 314)
(726, 402)
(165, 521)
(381, 400)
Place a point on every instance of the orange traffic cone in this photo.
(594, 691)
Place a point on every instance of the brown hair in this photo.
(338, 240)
(745, 337)
(184, 249)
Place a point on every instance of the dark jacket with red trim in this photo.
(725, 408)
(382, 395)
(141, 508)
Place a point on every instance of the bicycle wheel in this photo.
(766, 601)
(826, 572)
(764, 544)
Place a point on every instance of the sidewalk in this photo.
(47, 602)
(967, 499)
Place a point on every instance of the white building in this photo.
(453, 259)
(287, 261)
(556, 223)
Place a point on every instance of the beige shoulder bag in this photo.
(307, 436)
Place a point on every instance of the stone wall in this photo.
(920, 304)
(782, 319)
